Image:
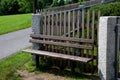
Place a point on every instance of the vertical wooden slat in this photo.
(83, 29)
(93, 23)
(61, 51)
(60, 23)
(64, 23)
(88, 23)
(52, 25)
(83, 23)
(88, 27)
(73, 23)
(52, 28)
(79, 26)
(88, 36)
(49, 17)
(69, 17)
(65, 13)
(68, 28)
(45, 28)
(78, 23)
(57, 29)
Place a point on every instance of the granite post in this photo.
(37, 29)
(107, 48)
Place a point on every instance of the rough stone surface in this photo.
(36, 29)
(106, 49)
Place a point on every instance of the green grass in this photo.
(12, 23)
(23, 61)
(9, 66)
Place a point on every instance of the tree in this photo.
(61, 2)
(55, 3)
(9, 7)
(26, 6)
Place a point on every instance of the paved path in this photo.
(13, 42)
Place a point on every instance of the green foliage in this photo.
(111, 9)
(8, 7)
(55, 3)
(61, 2)
(26, 6)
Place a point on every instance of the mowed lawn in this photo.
(21, 61)
(12, 23)
(8, 66)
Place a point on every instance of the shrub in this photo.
(111, 9)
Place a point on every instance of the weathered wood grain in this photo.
(58, 55)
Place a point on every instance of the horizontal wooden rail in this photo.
(61, 44)
(58, 55)
(38, 36)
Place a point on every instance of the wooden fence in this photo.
(92, 2)
(71, 24)
(59, 8)
(75, 23)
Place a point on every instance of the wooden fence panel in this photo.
(73, 23)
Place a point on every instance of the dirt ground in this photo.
(42, 76)
(47, 76)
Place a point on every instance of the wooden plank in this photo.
(58, 55)
(61, 44)
(60, 23)
(57, 29)
(88, 23)
(64, 23)
(78, 23)
(38, 36)
(88, 27)
(48, 28)
(69, 17)
(52, 29)
(73, 23)
(83, 23)
(93, 23)
(45, 26)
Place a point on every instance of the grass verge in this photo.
(9, 66)
(23, 61)
(12, 23)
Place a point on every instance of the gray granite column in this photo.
(37, 29)
(106, 48)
